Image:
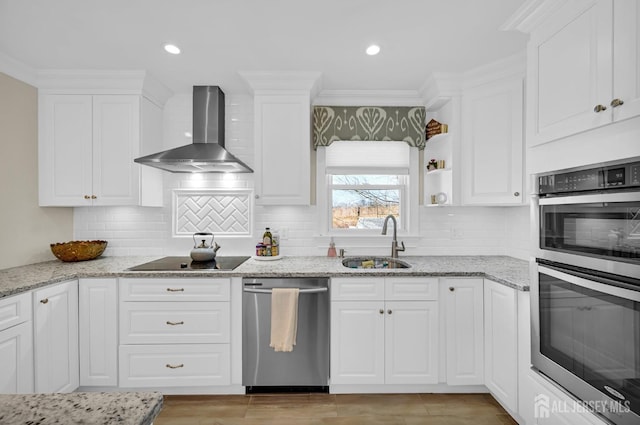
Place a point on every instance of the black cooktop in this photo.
(186, 263)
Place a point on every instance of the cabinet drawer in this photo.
(411, 289)
(161, 322)
(15, 310)
(176, 289)
(357, 289)
(174, 365)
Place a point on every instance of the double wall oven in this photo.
(586, 291)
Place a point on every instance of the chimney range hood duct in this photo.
(207, 153)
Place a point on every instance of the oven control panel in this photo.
(611, 177)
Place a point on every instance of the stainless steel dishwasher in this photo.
(306, 368)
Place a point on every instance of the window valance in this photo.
(397, 123)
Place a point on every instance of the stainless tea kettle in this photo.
(204, 252)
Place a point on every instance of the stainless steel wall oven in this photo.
(586, 292)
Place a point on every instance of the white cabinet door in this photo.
(65, 149)
(16, 358)
(411, 342)
(116, 141)
(492, 145)
(464, 318)
(98, 312)
(626, 58)
(283, 149)
(55, 317)
(570, 71)
(501, 343)
(357, 342)
(87, 145)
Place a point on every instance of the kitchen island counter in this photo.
(502, 269)
(137, 408)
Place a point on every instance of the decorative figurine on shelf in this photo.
(432, 165)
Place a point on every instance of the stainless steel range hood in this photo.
(207, 153)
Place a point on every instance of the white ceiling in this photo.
(219, 38)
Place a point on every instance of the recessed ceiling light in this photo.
(172, 48)
(373, 50)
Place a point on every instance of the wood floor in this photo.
(330, 409)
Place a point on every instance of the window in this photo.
(361, 183)
(363, 201)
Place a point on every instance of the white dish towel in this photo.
(284, 318)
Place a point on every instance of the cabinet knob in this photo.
(175, 289)
(94, 197)
(381, 311)
(87, 197)
(175, 323)
(599, 108)
(616, 102)
(389, 311)
(451, 288)
(257, 196)
(170, 366)
(44, 301)
(516, 193)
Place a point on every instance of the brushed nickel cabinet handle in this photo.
(516, 193)
(616, 102)
(389, 311)
(87, 197)
(178, 366)
(599, 108)
(451, 288)
(381, 311)
(175, 289)
(94, 197)
(44, 301)
(175, 323)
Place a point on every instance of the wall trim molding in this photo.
(18, 70)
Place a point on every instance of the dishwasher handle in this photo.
(302, 291)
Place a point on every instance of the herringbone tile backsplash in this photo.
(223, 212)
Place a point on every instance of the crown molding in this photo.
(308, 82)
(511, 66)
(18, 70)
(368, 98)
(87, 81)
(531, 14)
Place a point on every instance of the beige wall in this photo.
(26, 230)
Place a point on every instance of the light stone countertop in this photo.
(126, 408)
(502, 269)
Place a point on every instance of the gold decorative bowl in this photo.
(78, 250)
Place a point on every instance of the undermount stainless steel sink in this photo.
(374, 263)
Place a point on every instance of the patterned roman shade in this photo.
(397, 123)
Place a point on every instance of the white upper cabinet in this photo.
(87, 147)
(91, 126)
(583, 69)
(282, 136)
(492, 145)
(283, 149)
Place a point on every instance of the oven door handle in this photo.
(596, 283)
(302, 291)
(599, 198)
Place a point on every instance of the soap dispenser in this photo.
(331, 252)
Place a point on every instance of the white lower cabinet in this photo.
(98, 313)
(501, 343)
(16, 345)
(389, 339)
(464, 330)
(55, 317)
(173, 365)
(174, 332)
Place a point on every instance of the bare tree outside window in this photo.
(363, 201)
